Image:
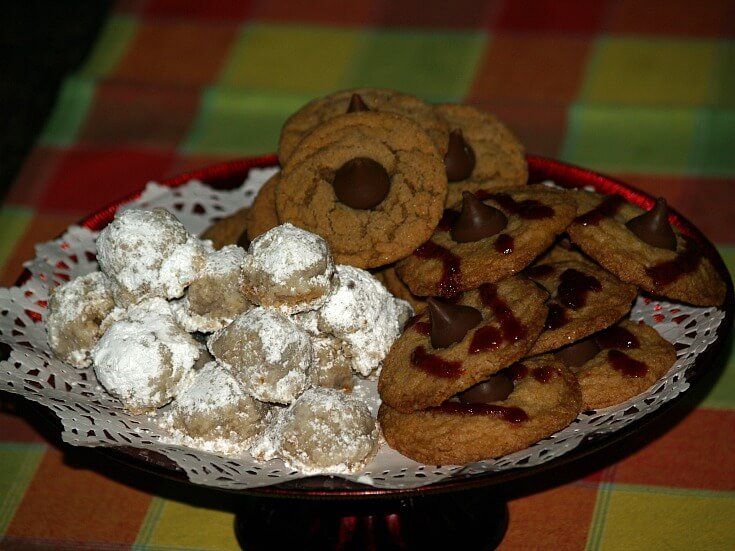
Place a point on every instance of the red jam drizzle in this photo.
(517, 371)
(434, 364)
(504, 244)
(607, 208)
(557, 316)
(528, 209)
(617, 337)
(511, 328)
(627, 365)
(574, 286)
(541, 270)
(449, 282)
(485, 338)
(668, 272)
(544, 374)
(511, 414)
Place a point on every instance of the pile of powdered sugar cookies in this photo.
(248, 350)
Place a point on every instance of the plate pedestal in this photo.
(461, 520)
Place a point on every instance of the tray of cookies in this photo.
(400, 299)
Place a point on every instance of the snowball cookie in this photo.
(214, 406)
(332, 364)
(362, 313)
(267, 353)
(326, 430)
(77, 316)
(215, 296)
(144, 356)
(288, 268)
(148, 254)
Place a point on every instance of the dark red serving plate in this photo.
(395, 522)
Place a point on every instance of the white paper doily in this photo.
(90, 417)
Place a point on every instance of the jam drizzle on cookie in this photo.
(528, 209)
(449, 283)
(617, 337)
(607, 208)
(669, 271)
(511, 414)
(504, 244)
(571, 294)
(435, 365)
(544, 374)
(628, 366)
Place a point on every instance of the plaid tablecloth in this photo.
(644, 91)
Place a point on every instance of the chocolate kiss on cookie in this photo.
(477, 220)
(498, 387)
(578, 353)
(361, 183)
(356, 104)
(460, 158)
(653, 227)
(450, 322)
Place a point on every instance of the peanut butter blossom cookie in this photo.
(456, 345)
(490, 236)
(618, 363)
(479, 152)
(584, 299)
(372, 184)
(315, 113)
(523, 404)
(263, 216)
(642, 248)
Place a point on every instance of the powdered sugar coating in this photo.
(289, 269)
(326, 431)
(148, 254)
(77, 316)
(214, 406)
(214, 298)
(144, 356)
(267, 353)
(332, 365)
(361, 312)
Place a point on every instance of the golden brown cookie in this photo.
(320, 110)
(443, 266)
(631, 356)
(584, 299)
(416, 375)
(263, 215)
(545, 398)
(684, 274)
(497, 157)
(411, 171)
(227, 230)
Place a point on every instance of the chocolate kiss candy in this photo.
(450, 322)
(498, 387)
(653, 227)
(243, 240)
(356, 104)
(459, 160)
(579, 353)
(477, 220)
(361, 183)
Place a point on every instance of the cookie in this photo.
(584, 299)
(320, 110)
(263, 216)
(480, 153)
(618, 363)
(417, 374)
(544, 399)
(443, 266)
(228, 230)
(683, 274)
(344, 162)
(388, 277)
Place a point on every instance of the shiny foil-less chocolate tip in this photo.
(578, 353)
(459, 159)
(652, 227)
(450, 322)
(494, 389)
(477, 220)
(357, 104)
(361, 183)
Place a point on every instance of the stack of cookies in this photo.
(521, 291)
